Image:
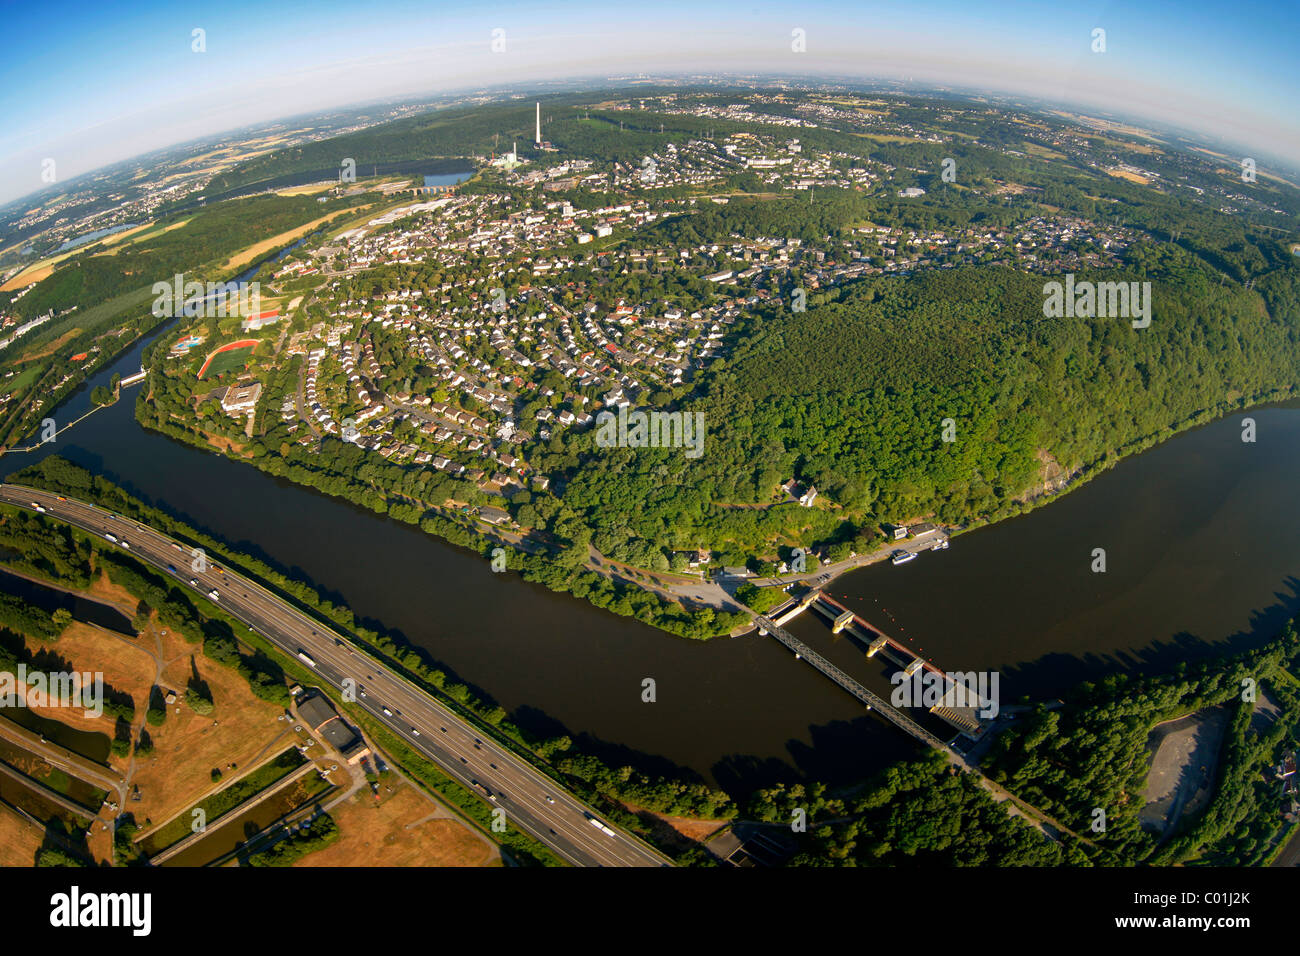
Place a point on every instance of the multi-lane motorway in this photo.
(531, 801)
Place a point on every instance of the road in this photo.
(532, 801)
(716, 595)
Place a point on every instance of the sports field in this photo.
(227, 358)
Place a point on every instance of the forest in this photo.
(1093, 753)
(969, 346)
(917, 813)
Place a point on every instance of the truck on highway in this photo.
(110, 537)
(599, 825)
(214, 595)
(306, 658)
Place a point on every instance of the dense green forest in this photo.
(970, 345)
(1093, 753)
(917, 813)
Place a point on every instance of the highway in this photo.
(532, 802)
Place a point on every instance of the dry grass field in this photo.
(255, 252)
(400, 830)
(1131, 177)
(33, 273)
(187, 746)
(19, 839)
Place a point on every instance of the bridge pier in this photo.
(867, 697)
(876, 645)
(841, 622)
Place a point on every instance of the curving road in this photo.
(531, 801)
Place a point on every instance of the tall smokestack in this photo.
(539, 124)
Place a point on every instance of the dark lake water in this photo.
(1203, 553)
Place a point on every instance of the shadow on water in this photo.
(50, 600)
(1066, 670)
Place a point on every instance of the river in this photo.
(1202, 544)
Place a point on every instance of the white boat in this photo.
(902, 557)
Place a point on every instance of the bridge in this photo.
(1049, 826)
(872, 700)
(957, 702)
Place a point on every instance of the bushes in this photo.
(200, 704)
(157, 709)
(761, 600)
(316, 835)
(21, 617)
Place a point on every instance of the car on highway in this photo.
(414, 732)
(387, 712)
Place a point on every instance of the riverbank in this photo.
(700, 609)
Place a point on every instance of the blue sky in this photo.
(88, 84)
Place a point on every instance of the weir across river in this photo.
(951, 697)
(873, 701)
